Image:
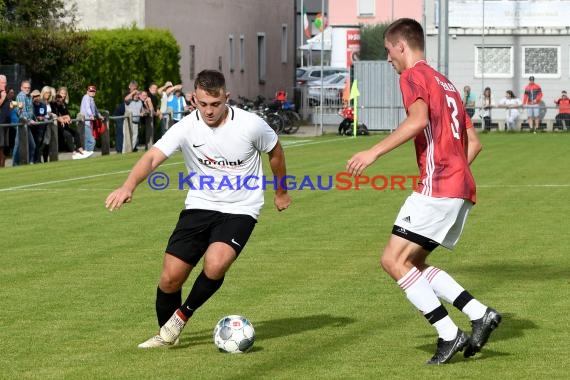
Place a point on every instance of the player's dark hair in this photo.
(407, 29)
(211, 81)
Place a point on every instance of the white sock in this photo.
(446, 288)
(422, 296)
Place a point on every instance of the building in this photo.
(251, 41)
(500, 43)
(370, 12)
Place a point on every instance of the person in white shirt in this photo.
(223, 145)
(512, 105)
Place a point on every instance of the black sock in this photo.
(166, 305)
(462, 299)
(202, 290)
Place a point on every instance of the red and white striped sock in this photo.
(422, 296)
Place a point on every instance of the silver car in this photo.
(333, 85)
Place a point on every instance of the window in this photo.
(192, 61)
(366, 8)
(261, 58)
(284, 43)
(541, 61)
(231, 59)
(494, 62)
(242, 53)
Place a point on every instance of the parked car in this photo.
(307, 74)
(333, 85)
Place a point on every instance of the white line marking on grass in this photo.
(530, 185)
(31, 185)
(22, 187)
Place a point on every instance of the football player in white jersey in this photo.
(222, 148)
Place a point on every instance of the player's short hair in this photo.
(407, 29)
(211, 81)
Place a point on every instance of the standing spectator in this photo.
(531, 100)
(4, 119)
(189, 100)
(177, 102)
(26, 111)
(131, 91)
(512, 104)
(147, 117)
(469, 99)
(90, 111)
(155, 100)
(563, 103)
(135, 107)
(486, 105)
(68, 137)
(165, 93)
(47, 96)
(39, 129)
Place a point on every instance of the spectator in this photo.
(155, 99)
(68, 137)
(133, 88)
(47, 96)
(345, 126)
(177, 103)
(512, 104)
(563, 117)
(189, 100)
(486, 105)
(13, 115)
(39, 129)
(4, 119)
(531, 100)
(147, 117)
(135, 107)
(119, 113)
(469, 101)
(89, 110)
(164, 92)
(25, 109)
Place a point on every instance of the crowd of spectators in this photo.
(152, 112)
(531, 103)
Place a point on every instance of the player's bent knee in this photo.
(388, 262)
(170, 283)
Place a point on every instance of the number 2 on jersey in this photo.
(451, 103)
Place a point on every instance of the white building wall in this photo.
(503, 23)
(110, 14)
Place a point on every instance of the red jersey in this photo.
(563, 105)
(440, 147)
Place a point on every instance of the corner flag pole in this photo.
(354, 94)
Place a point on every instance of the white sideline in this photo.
(287, 144)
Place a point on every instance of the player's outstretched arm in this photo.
(144, 166)
(416, 121)
(282, 199)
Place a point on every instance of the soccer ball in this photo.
(234, 334)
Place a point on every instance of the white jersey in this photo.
(221, 160)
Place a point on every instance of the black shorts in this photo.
(197, 229)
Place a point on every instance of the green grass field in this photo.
(77, 283)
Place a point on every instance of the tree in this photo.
(372, 42)
(37, 14)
